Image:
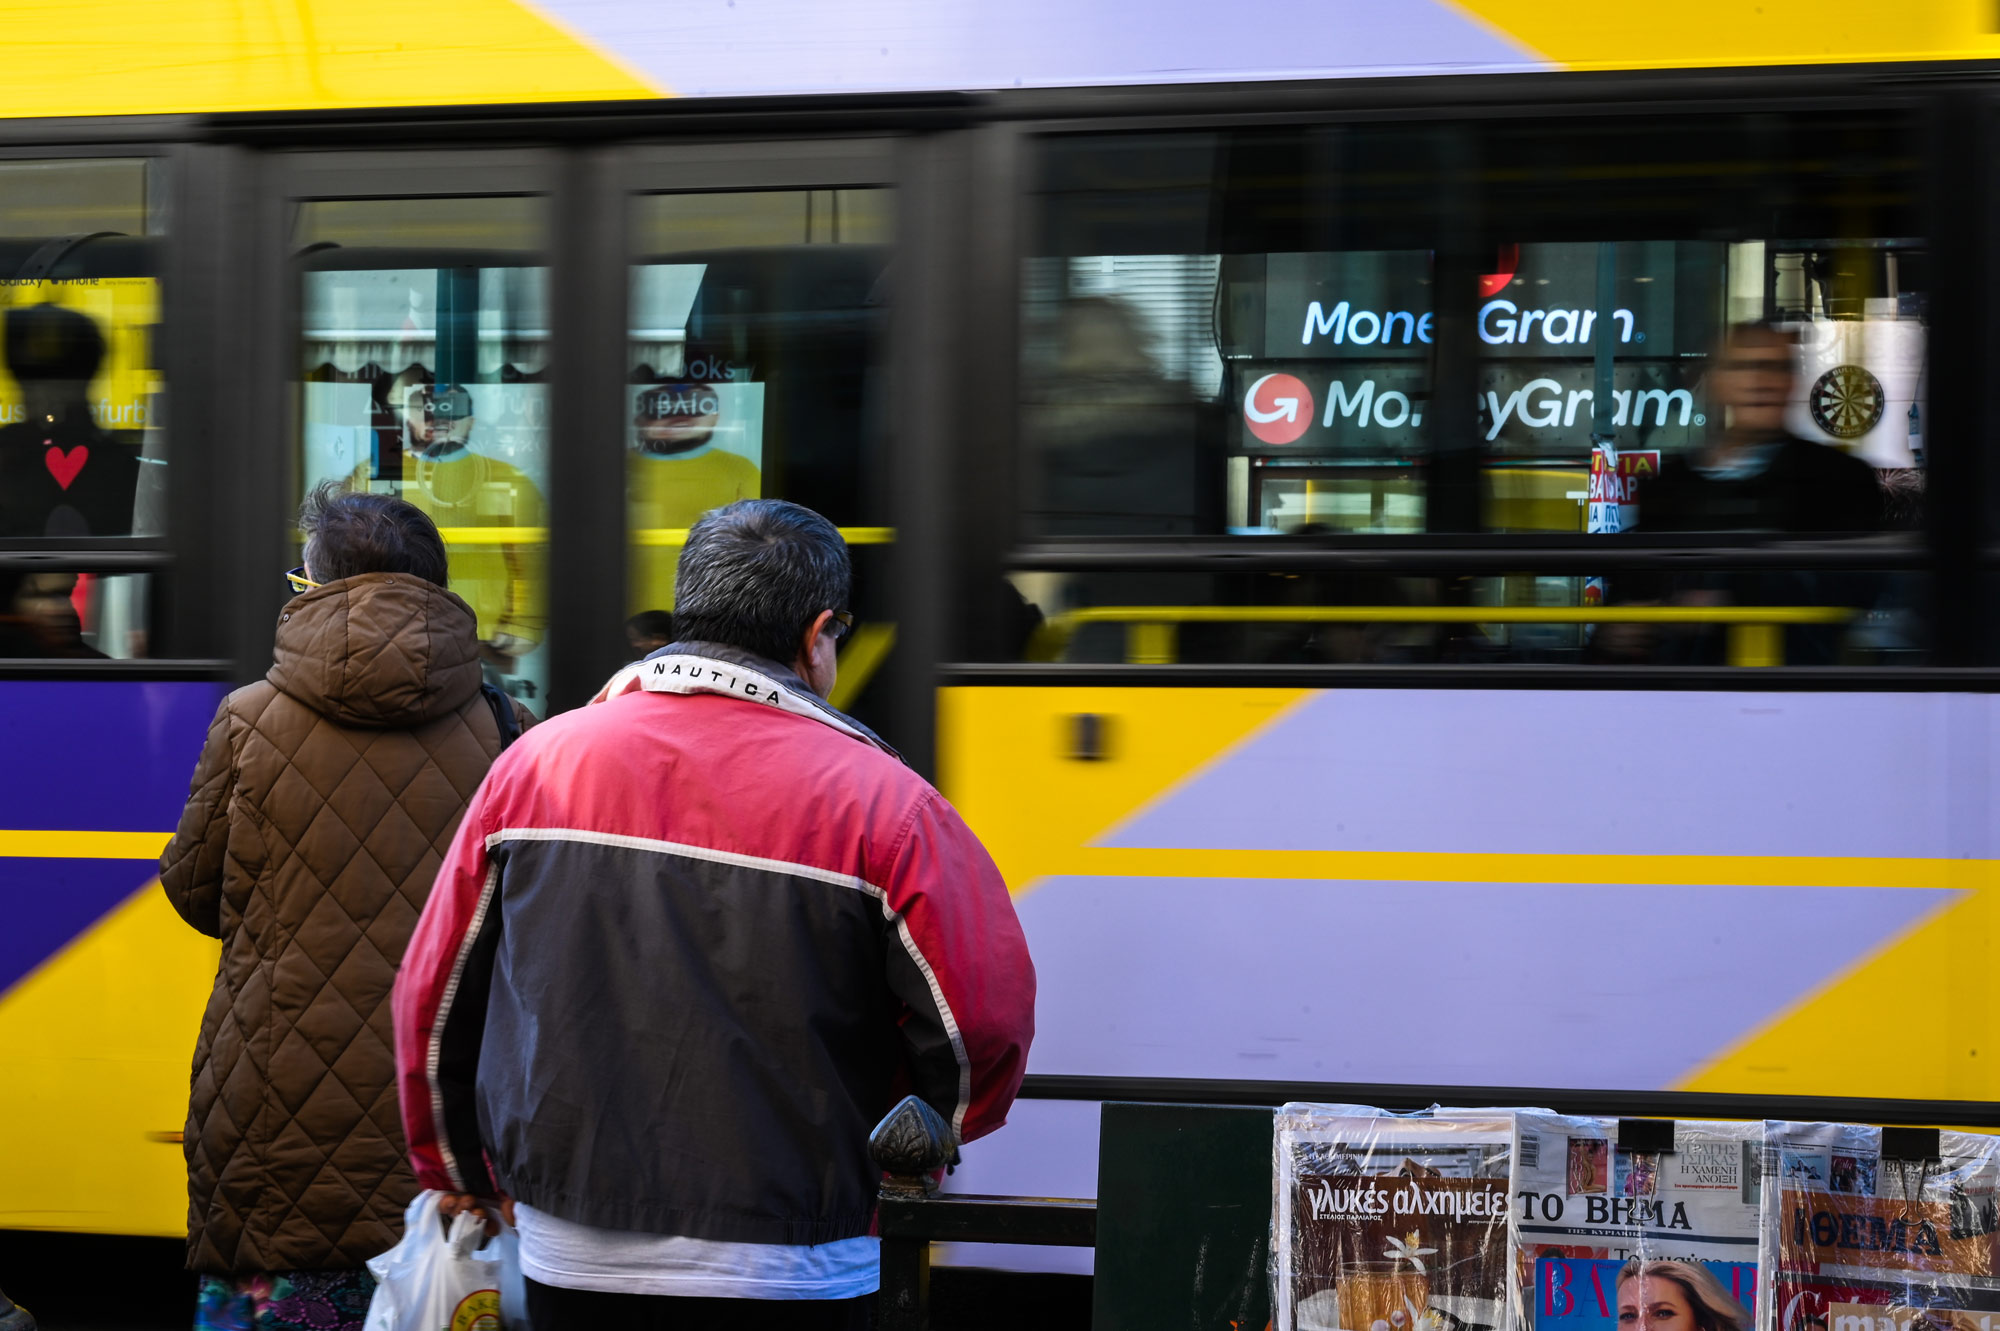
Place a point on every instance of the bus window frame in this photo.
(291, 179)
(154, 141)
(1955, 546)
(733, 165)
(959, 167)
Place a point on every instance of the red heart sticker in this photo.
(64, 466)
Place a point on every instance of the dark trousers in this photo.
(553, 1309)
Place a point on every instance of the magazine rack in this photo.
(1181, 1223)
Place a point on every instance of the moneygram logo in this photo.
(1278, 408)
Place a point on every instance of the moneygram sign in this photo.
(1278, 409)
(1385, 409)
(1331, 352)
(1379, 305)
(1501, 323)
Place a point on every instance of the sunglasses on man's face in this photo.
(838, 627)
(297, 580)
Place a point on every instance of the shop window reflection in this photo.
(81, 452)
(425, 351)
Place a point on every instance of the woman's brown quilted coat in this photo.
(325, 799)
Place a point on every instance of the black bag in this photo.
(503, 714)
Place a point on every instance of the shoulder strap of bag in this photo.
(503, 715)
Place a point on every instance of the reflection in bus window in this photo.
(73, 616)
(1240, 331)
(1120, 401)
(81, 452)
(1685, 328)
(425, 354)
(756, 327)
(1692, 386)
(1229, 332)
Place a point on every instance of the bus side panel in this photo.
(101, 984)
(1756, 892)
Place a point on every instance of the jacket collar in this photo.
(713, 667)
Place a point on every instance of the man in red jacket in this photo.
(691, 942)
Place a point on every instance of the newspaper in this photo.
(1389, 1224)
(1596, 1229)
(1855, 1242)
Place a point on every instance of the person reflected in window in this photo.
(48, 603)
(38, 617)
(648, 631)
(1124, 450)
(459, 487)
(60, 473)
(1754, 474)
(688, 457)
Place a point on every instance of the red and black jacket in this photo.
(691, 942)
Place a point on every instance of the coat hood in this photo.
(382, 650)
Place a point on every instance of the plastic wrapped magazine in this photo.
(1601, 1234)
(1390, 1224)
(1856, 1242)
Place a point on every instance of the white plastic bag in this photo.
(513, 1284)
(434, 1280)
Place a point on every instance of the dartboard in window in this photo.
(1846, 401)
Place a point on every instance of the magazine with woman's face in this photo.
(1611, 1239)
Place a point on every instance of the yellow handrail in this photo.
(1457, 614)
(672, 537)
(1754, 636)
(677, 536)
(859, 660)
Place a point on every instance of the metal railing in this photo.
(1976, 1114)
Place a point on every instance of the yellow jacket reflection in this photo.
(473, 499)
(667, 493)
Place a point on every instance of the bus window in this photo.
(755, 351)
(50, 614)
(1715, 324)
(1709, 329)
(81, 451)
(1230, 333)
(424, 355)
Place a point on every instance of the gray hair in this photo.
(756, 573)
(348, 533)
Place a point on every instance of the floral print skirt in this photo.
(284, 1301)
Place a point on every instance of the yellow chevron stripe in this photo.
(1454, 867)
(1587, 34)
(1914, 1019)
(83, 845)
(1003, 759)
(117, 57)
(96, 1043)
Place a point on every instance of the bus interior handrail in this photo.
(1755, 632)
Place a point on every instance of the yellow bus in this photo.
(1254, 427)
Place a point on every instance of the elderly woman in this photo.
(319, 812)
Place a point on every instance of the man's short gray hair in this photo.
(756, 573)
